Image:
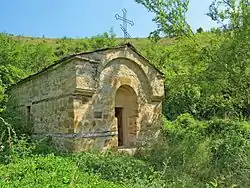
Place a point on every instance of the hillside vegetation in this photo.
(197, 85)
(190, 153)
(193, 150)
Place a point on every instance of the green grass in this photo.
(49, 171)
(86, 170)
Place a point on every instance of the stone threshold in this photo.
(131, 151)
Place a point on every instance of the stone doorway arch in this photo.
(126, 112)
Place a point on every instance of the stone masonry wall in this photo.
(95, 114)
(49, 96)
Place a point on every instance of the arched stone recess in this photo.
(125, 67)
(126, 114)
(97, 115)
(121, 73)
(154, 77)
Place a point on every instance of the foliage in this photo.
(200, 30)
(20, 58)
(206, 75)
(230, 14)
(230, 70)
(13, 146)
(48, 171)
(187, 87)
(190, 153)
(117, 168)
(195, 153)
(15, 118)
(66, 46)
(170, 16)
(212, 79)
(21, 163)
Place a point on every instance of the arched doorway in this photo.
(126, 111)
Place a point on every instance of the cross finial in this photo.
(125, 21)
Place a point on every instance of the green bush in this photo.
(197, 152)
(49, 171)
(117, 168)
(30, 163)
(84, 170)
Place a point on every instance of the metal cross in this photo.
(124, 27)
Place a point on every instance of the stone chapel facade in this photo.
(109, 98)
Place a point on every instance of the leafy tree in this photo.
(230, 14)
(212, 79)
(231, 70)
(200, 30)
(170, 16)
(216, 30)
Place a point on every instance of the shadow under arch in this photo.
(126, 113)
(143, 78)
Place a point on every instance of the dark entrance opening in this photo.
(118, 115)
(29, 115)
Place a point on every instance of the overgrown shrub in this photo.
(190, 153)
(117, 168)
(199, 152)
(49, 171)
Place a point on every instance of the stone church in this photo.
(106, 99)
